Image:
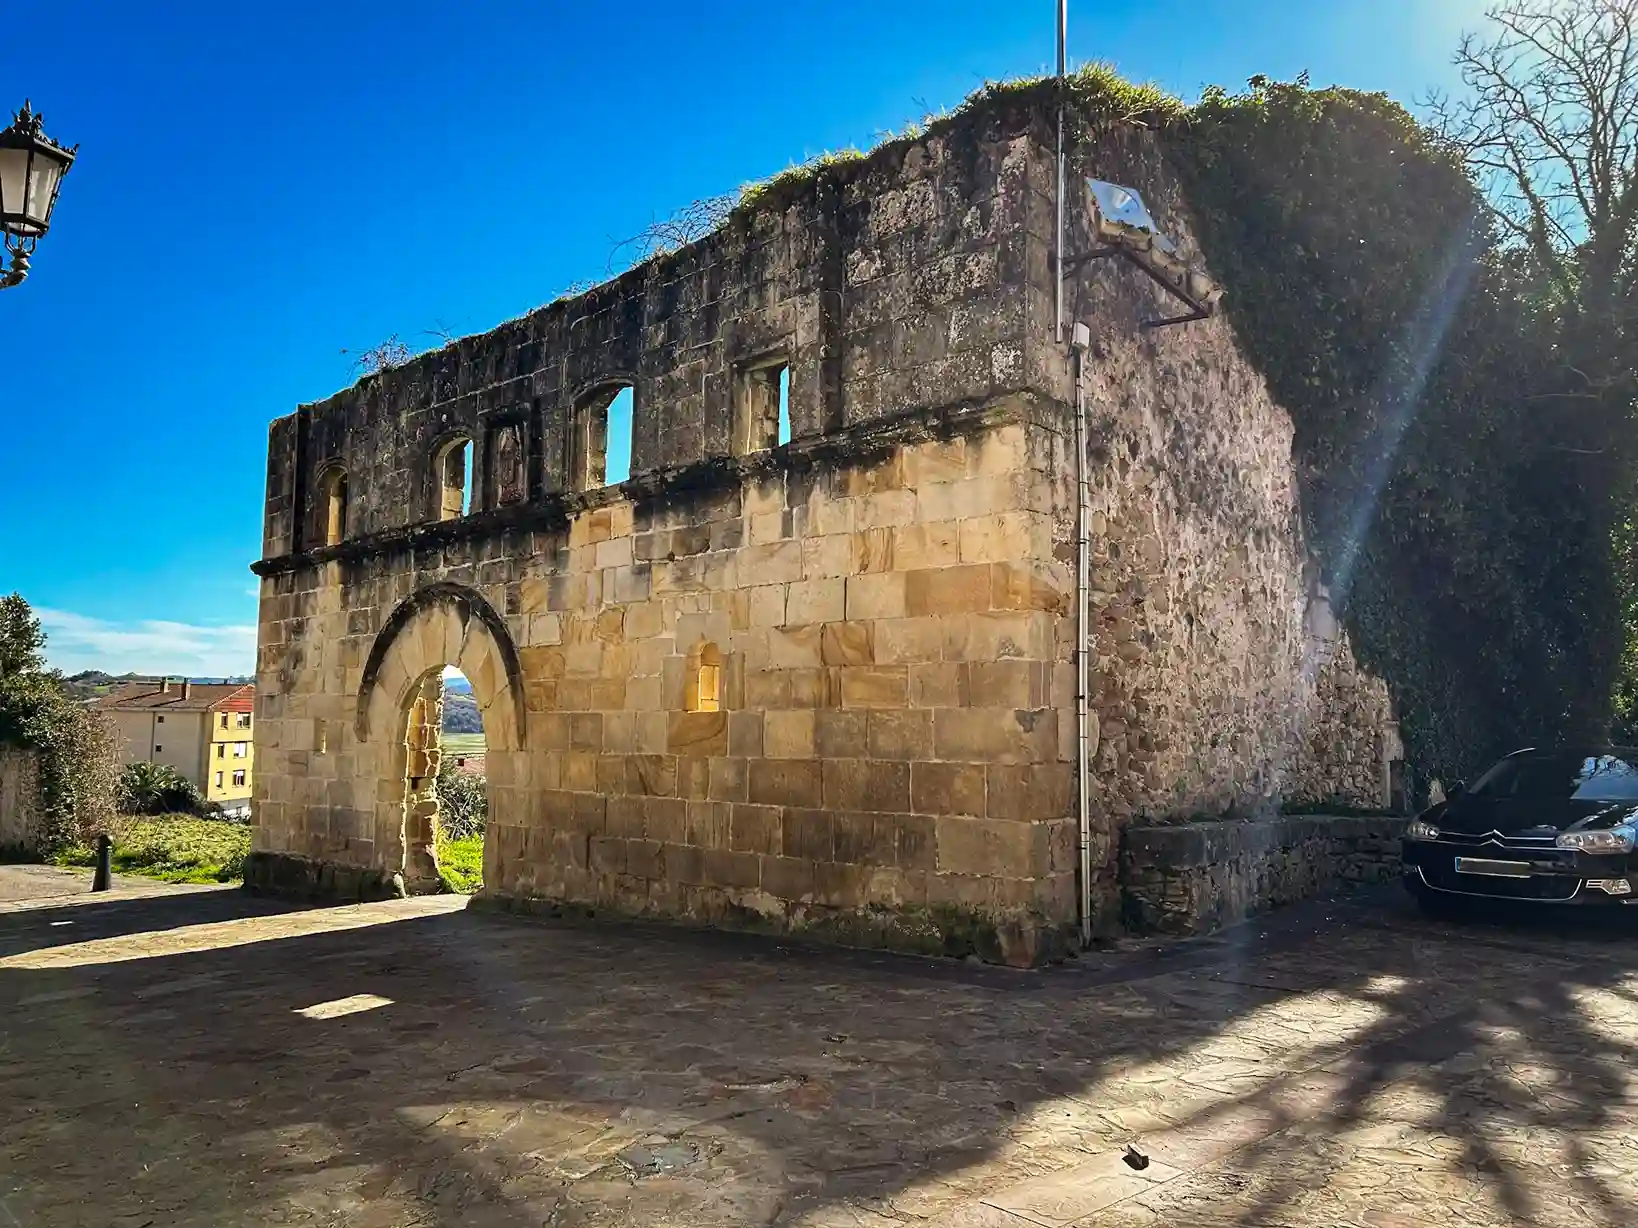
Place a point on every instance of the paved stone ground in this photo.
(32, 886)
(206, 1059)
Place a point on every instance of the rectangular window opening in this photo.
(161, 720)
(157, 748)
(218, 780)
(762, 418)
(239, 778)
(224, 720)
(466, 478)
(617, 438)
(710, 694)
(784, 405)
(600, 443)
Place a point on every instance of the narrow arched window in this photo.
(452, 479)
(704, 692)
(335, 506)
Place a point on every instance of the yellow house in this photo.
(203, 730)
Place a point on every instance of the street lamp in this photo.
(32, 167)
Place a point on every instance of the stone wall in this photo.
(19, 801)
(1189, 878)
(1220, 683)
(886, 601)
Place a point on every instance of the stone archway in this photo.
(437, 626)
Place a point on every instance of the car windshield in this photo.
(1588, 778)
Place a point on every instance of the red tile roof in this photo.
(201, 697)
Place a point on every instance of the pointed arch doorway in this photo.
(399, 732)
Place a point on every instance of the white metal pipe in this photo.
(1083, 638)
(1063, 99)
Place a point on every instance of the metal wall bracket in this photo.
(1198, 310)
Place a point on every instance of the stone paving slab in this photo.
(210, 1059)
(33, 886)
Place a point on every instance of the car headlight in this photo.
(1418, 830)
(1610, 840)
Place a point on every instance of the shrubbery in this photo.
(155, 788)
(74, 744)
(463, 804)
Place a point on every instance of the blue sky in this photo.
(261, 187)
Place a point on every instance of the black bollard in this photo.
(103, 877)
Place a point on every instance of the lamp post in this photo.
(32, 167)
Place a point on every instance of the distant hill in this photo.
(94, 683)
(461, 711)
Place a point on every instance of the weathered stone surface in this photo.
(876, 617)
(208, 1058)
(1191, 877)
(22, 812)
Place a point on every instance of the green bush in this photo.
(78, 766)
(154, 788)
(463, 804)
(460, 863)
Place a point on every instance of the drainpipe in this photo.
(1080, 337)
(1063, 90)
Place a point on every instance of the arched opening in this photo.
(704, 685)
(445, 632)
(462, 786)
(452, 478)
(600, 438)
(334, 486)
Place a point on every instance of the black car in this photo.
(1542, 826)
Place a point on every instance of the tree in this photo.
(74, 745)
(1549, 126)
(155, 788)
(21, 638)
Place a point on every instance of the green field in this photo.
(175, 848)
(463, 744)
(460, 864)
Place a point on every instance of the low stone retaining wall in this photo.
(1188, 878)
(296, 878)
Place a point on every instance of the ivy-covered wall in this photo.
(1365, 284)
(1465, 541)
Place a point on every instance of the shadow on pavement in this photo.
(1341, 1062)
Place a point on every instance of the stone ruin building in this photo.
(826, 685)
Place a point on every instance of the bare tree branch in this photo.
(688, 225)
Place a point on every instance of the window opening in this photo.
(453, 469)
(239, 777)
(704, 680)
(762, 406)
(335, 506)
(784, 404)
(600, 444)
